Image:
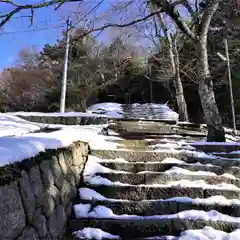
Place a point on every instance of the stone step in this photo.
(150, 208)
(228, 155)
(138, 193)
(161, 167)
(162, 178)
(145, 121)
(130, 229)
(158, 156)
(161, 131)
(217, 147)
(170, 136)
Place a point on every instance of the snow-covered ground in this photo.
(19, 139)
(56, 114)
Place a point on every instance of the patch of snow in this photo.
(99, 160)
(89, 194)
(105, 212)
(178, 170)
(29, 144)
(235, 152)
(172, 145)
(94, 233)
(92, 167)
(161, 238)
(217, 143)
(207, 233)
(172, 160)
(136, 110)
(55, 114)
(13, 125)
(98, 180)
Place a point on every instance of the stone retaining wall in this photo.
(36, 194)
(66, 120)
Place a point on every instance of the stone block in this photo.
(57, 222)
(77, 173)
(77, 156)
(57, 172)
(62, 163)
(47, 175)
(29, 234)
(12, 217)
(68, 208)
(66, 192)
(55, 193)
(71, 178)
(48, 204)
(40, 223)
(68, 157)
(36, 181)
(28, 198)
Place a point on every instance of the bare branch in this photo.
(170, 9)
(18, 8)
(108, 25)
(208, 13)
(187, 5)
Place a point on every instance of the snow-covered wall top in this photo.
(136, 110)
(69, 118)
(36, 193)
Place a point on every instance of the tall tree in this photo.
(174, 59)
(199, 34)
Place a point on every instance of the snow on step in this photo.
(86, 211)
(193, 190)
(90, 194)
(207, 233)
(94, 166)
(94, 233)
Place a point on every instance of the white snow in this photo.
(17, 148)
(94, 233)
(178, 170)
(99, 160)
(84, 211)
(18, 140)
(98, 180)
(140, 111)
(12, 125)
(55, 114)
(216, 143)
(172, 145)
(89, 194)
(172, 160)
(207, 233)
(93, 166)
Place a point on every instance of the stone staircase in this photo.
(157, 192)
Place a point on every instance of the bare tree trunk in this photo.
(174, 59)
(213, 119)
(182, 106)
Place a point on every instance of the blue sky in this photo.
(47, 27)
(17, 34)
